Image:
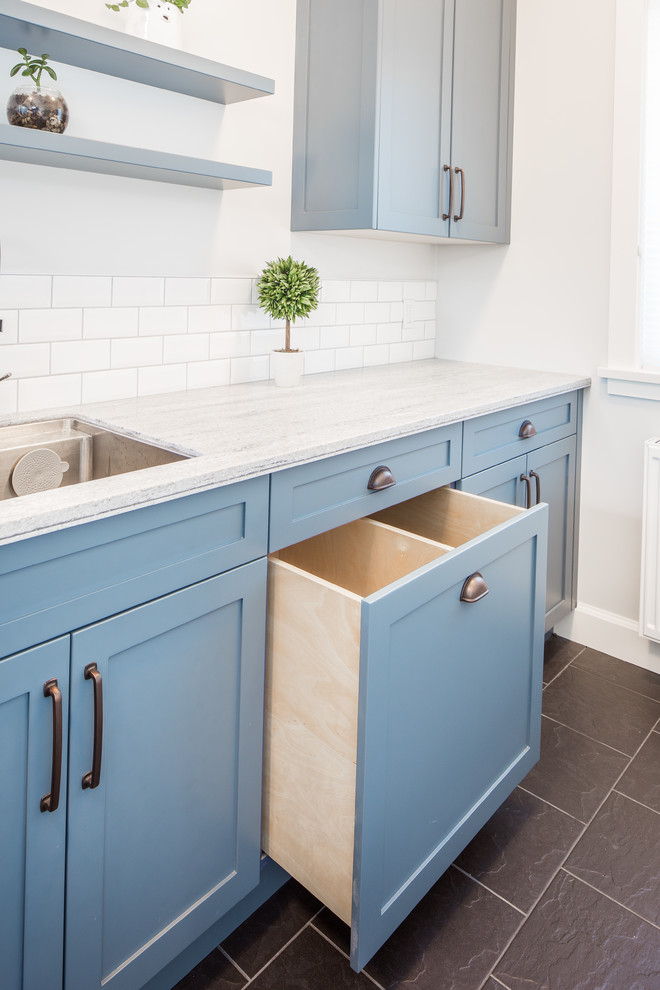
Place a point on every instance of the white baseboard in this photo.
(612, 634)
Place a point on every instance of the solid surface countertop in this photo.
(241, 431)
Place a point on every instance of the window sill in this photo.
(632, 383)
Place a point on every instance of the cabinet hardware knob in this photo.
(534, 475)
(93, 777)
(461, 209)
(50, 802)
(527, 429)
(381, 478)
(447, 168)
(474, 588)
(528, 490)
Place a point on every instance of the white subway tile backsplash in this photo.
(319, 361)
(156, 320)
(208, 374)
(209, 319)
(229, 345)
(54, 390)
(36, 325)
(136, 352)
(90, 338)
(187, 291)
(135, 290)
(9, 333)
(25, 291)
(238, 291)
(431, 290)
(249, 318)
(185, 347)
(165, 378)
(79, 355)
(26, 360)
(98, 386)
(250, 369)
(81, 290)
(120, 321)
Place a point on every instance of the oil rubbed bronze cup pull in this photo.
(381, 478)
(534, 475)
(50, 802)
(93, 777)
(528, 490)
(527, 430)
(474, 588)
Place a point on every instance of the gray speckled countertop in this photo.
(241, 431)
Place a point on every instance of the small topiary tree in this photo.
(287, 290)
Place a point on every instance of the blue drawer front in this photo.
(492, 439)
(61, 581)
(315, 497)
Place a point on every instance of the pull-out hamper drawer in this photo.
(402, 697)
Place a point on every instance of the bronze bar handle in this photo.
(381, 478)
(93, 777)
(50, 802)
(474, 588)
(459, 216)
(528, 490)
(534, 475)
(447, 168)
(527, 430)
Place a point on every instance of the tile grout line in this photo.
(234, 964)
(490, 891)
(592, 738)
(569, 853)
(570, 662)
(363, 971)
(556, 807)
(641, 804)
(610, 898)
(279, 952)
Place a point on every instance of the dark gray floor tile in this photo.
(310, 963)
(518, 851)
(574, 773)
(628, 675)
(213, 973)
(641, 780)
(492, 985)
(558, 653)
(600, 709)
(334, 929)
(577, 939)
(270, 927)
(620, 855)
(451, 940)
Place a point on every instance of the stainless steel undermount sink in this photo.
(90, 452)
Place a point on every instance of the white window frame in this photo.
(624, 372)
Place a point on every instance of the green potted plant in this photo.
(33, 105)
(156, 20)
(288, 290)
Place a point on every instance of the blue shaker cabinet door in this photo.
(32, 840)
(449, 717)
(169, 840)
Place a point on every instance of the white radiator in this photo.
(649, 599)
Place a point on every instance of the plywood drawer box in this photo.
(399, 716)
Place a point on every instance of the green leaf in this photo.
(16, 69)
(22, 51)
(142, 3)
(51, 72)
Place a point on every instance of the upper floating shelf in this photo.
(76, 42)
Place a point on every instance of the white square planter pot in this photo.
(286, 367)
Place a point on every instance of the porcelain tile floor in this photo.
(560, 890)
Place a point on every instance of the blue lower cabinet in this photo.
(403, 698)
(165, 776)
(33, 764)
(544, 475)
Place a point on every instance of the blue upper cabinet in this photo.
(403, 117)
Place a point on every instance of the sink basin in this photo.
(90, 451)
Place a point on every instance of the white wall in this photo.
(54, 221)
(542, 301)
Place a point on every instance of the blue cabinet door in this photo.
(32, 838)
(169, 840)
(449, 717)
(551, 471)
